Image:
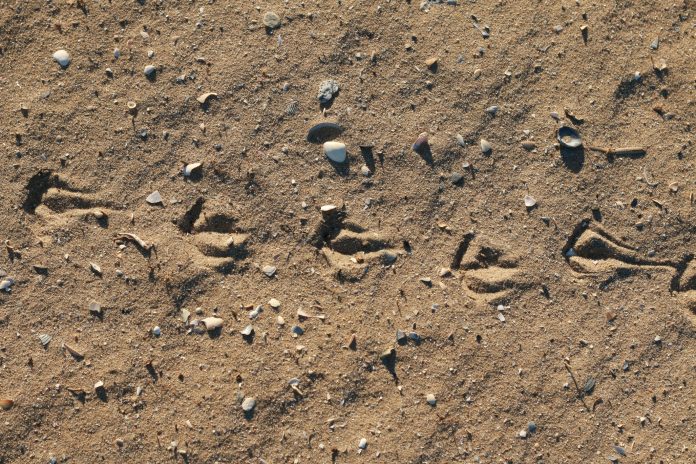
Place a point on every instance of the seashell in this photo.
(328, 208)
(529, 201)
(248, 404)
(460, 140)
(62, 58)
(6, 404)
(154, 198)
(275, 304)
(202, 99)
(45, 339)
(73, 351)
(335, 151)
(150, 71)
(323, 132)
(142, 244)
(185, 314)
(421, 143)
(280, 321)
(191, 168)
(431, 62)
(253, 314)
(486, 147)
(94, 267)
(269, 270)
(98, 214)
(6, 284)
(99, 386)
(271, 20)
(95, 308)
(247, 331)
(569, 137)
(212, 323)
(132, 107)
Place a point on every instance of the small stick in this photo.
(627, 151)
(577, 387)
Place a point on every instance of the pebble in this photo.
(297, 330)
(529, 201)
(6, 284)
(117, 53)
(156, 331)
(327, 90)
(431, 62)
(365, 170)
(150, 71)
(335, 151)
(363, 443)
(456, 178)
(421, 143)
(191, 168)
(248, 404)
(271, 20)
(522, 434)
(247, 331)
(486, 147)
(492, 110)
(531, 427)
(655, 43)
(269, 270)
(62, 58)
(430, 398)
(154, 198)
(400, 337)
(460, 140)
(275, 304)
(323, 132)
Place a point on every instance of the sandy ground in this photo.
(428, 312)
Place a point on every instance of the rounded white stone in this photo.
(335, 151)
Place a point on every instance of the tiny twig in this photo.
(577, 387)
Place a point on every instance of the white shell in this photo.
(328, 208)
(486, 146)
(5, 284)
(529, 201)
(212, 323)
(269, 270)
(154, 198)
(248, 404)
(275, 304)
(203, 98)
(248, 330)
(45, 339)
(95, 308)
(62, 58)
(335, 151)
(191, 168)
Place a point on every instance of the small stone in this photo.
(280, 321)
(191, 169)
(387, 354)
(156, 331)
(657, 340)
(401, 337)
(271, 20)
(119, 442)
(62, 58)
(365, 170)
(297, 330)
(248, 404)
(95, 308)
(117, 53)
(269, 270)
(492, 110)
(456, 178)
(95, 268)
(99, 386)
(363, 443)
(247, 331)
(327, 90)
(529, 201)
(431, 62)
(655, 43)
(522, 434)
(154, 198)
(486, 147)
(460, 140)
(529, 146)
(150, 71)
(531, 427)
(335, 151)
(275, 304)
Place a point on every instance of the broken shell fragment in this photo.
(421, 143)
(202, 99)
(529, 201)
(45, 339)
(335, 151)
(142, 244)
(6, 404)
(154, 198)
(95, 268)
(95, 308)
(75, 353)
(62, 58)
(248, 404)
(212, 323)
(486, 147)
(269, 270)
(6, 284)
(275, 304)
(323, 132)
(569, 137)
(191, 168)
(247, 331)
(99, 386)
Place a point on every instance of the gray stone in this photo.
(327, 90)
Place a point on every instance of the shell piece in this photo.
(62, 58)
(335, 151)
(327, 90)
(247, 331)
(569, 137)
(191, 168)
(74, 352)
(94, 267)
(6, 404)
(212, 323)
(154, 198)
(529, 201)
(486, 147)
(142, 244)
(6, 284)
(95, 308)
(323, 132)
(205, 97)
(269, 270)
(45, 339)
(275, 304)
(421, 143)
(150, 71)
(271, 20)
(248, 404)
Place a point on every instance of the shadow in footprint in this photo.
(573, 158)
(342, 169)
(368, 157)
(426, 153)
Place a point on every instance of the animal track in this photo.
(350, 248)
(218, 243)
(491, 273)
(594, 252)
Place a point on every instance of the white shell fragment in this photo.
(486, 147)
(335, 151)
(529, 201)
(269, 270)
(204, 97)
(6, 284)
(45, 339)
(248, 404)
(212, 323)
(154, 198)
(62, 58)
(430, 398)
(95, 308)
(191, 168)
(275, 304)
(150, 71)
(569, 137)
(247, 331)
(94, 267)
